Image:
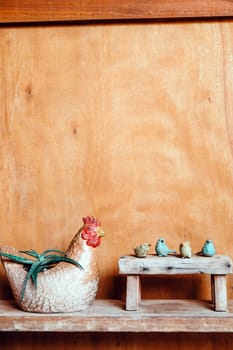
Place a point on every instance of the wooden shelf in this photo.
(110, 316)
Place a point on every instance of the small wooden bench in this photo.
(217, 267)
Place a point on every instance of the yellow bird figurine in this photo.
(185, 250)
(142, 250)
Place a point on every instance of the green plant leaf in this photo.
(17, 258)
(31, 253)
(53, 251)
(39, 268)
(54, 260)
(29, 274)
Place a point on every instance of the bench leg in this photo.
(219, 292)
(133, 292)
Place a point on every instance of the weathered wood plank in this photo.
(133, 292)
(110, 316)
(41, 10)
(154, 265)
(220, 293)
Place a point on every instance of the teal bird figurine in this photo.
(161, 248)
(142, 250)
(208, 248)
(185, 250)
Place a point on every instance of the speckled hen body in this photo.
(63, 288)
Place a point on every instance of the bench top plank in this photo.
(173, 264)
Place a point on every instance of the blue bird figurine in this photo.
(208, 248)
(161, 248)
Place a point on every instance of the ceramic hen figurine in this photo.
(64, 287)
(161, 248)
(185, 250)
(142, 250)
(208, 248)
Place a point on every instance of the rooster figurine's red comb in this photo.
(91, 220)
(91, 231)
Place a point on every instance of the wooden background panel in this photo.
(29, 11)
(129, 123)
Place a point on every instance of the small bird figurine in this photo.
(161, 248)
(142, 250)
(185, 250)
(208, 248)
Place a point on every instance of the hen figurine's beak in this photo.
(100, 232)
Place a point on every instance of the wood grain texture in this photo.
(227, 46)
(69, 10)
(91, 123)
(220, 295)
(109, 316)
(154, 265)
(133, 292)
(116, 341)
